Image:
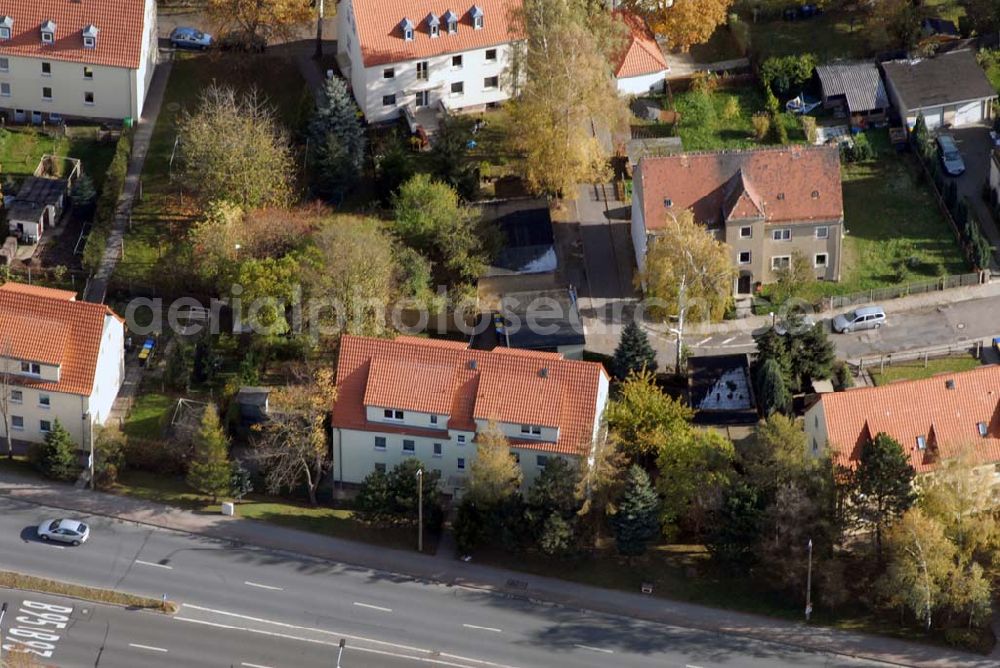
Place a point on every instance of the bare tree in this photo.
(291, 445)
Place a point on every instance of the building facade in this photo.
(767, 205)
(424, 57)
(641, 69)
(411, 397)
(62, 59)
(60, 359)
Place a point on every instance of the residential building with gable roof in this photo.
(932, 418)
(61, 359)
(641, 68)
(413, 397)
(75, 59)
(421, 57)
(764, 203)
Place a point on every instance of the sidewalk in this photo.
(454, 572)
(98, 287)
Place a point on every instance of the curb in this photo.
(493, 590)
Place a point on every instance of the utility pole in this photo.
(420, 510)
(319, 30)
(809, 576)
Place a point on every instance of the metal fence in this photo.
(905, 290)
(881, 361)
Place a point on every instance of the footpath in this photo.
(446, 569)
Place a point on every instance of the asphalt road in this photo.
(243, 606)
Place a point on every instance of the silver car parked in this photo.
(867, 317)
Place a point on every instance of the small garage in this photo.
(946, 89)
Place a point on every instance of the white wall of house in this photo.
(110, 372)
(147, 59)
(639, 234)
(641, 85)
(370, 85)
(814, 422)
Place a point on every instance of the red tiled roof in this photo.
(501, 385)
(380, 35)
(946, 418)
(52, 330)
(38, 291)
(641, 55)
(119, 24)
(790, 184)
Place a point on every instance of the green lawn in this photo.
(22, 148)
(723, 119)
(993, 69)
(829, 36)
(895, 231)
(147, 416)
(916, 370)
(323, 519)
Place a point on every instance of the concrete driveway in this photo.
(974, 143)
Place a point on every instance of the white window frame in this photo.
(5, 64)
(393, 414)
(749, 232)
(89, 42)
(41, 426)
(384, 443)
(88, 73)
(783, 234)
(435, 31)
(452, 27)
(491, 83)
(92, 98)
(781, 265)
(46, 65)
(826, 260)
(423, 70)
(380, 467)
(495, 55)
(389, 100)
(389, 73)
(412, 449)
(29, 368)
(461, 439)
(408, 34)
(51, 95)
(460, 463)
(541, 461)
(477, 23)
(4, 33)
(48, 37)
(921, 443)
(16, 396)
(437, 450)
(460, 92)
(983, 428)
(424, 95)
(13, 423)
(825, 232)
(457, 62)
(5, 87)
(740, 260)
(44, 401)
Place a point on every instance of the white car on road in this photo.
(64, 531)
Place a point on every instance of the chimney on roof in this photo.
(950, 383)
(543, 372)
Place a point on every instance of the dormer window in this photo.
(983, 429)
(921, 443)
(33, 368)
(393, 415)
(407, 28)
(531, 430)
(90, 37)
(477, 17)
(451, 20)
(434, 25)
(48, 32)
(6, 26)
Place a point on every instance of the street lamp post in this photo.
(420, 510)
(340, 653)
(809, 576)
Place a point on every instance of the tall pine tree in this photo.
(637, 520)
(772, 394)
(56, 457)
(210, 472)
(633, 352)
(336, 139)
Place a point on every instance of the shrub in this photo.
(779, 133)
(731, 111)
(809, 128)
(704, 82)
(109, 456)
(163, 457)
(761, 125)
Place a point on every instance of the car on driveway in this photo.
(951, 158)
(74, 532)
(866, 317)
(190, 38)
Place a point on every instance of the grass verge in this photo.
(917, 370)
(12, 580)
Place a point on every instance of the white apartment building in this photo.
(413, 397)
(75, 59)
(421, 57)
(60, 359)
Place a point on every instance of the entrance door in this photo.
(743, 283)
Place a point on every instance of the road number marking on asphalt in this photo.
(482, 628)
(595, 649)
(37, 641)
(149, 647)
(260, 586)
(372, 607)
(154, 564)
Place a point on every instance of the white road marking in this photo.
(725, 341)
(51, 544)
(150, 648)
(253, 665)
(482, 628)
(331, 643)
(372, 607)
(154, 564)
(688, 665)
(260, 586)
(703, 341)
(595, 649)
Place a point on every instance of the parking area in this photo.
(974, 143)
